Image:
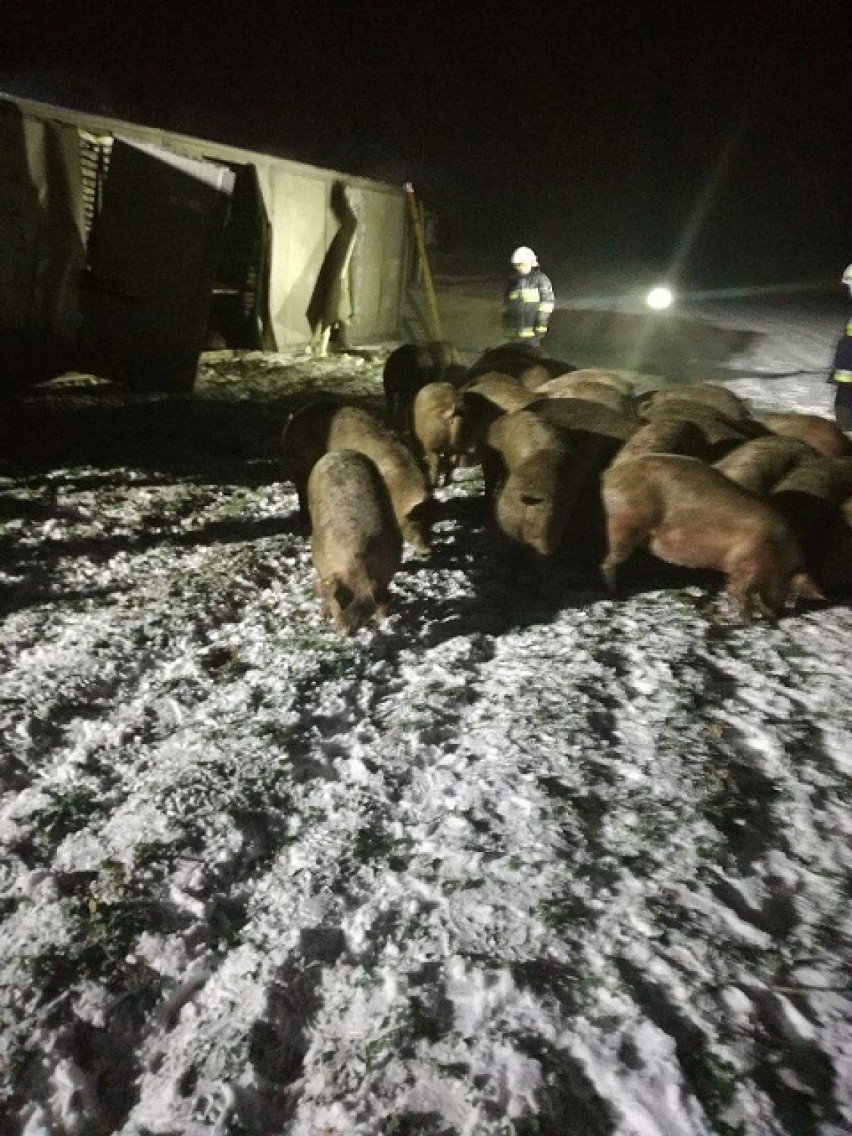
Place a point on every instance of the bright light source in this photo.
(659, 298)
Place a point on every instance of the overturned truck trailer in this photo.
(124, 249)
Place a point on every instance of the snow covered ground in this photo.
(505, 864)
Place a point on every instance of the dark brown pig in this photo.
(410, 367)
(757, 465)
(719, 398)
(439, 429)
(507, 358)
(811, 498)
(825, 436)
(688, 513)
(836, 569)
(355, 541)
(519, 359)
(321, 426)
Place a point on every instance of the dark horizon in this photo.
(708, 145)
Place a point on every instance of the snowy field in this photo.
(505, 864)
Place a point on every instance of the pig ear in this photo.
(805, 586)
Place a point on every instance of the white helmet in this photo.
(846, 278)
(524, 255)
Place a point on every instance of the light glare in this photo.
(659, 298)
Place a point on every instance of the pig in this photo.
(504, 390)
(721, 433)
(517, 359)
(410, 367)
(665, 436)
(534, 375)
(825, 436)
(565, 382)
(811, 497)
(323, 426)
(532, 490)
(719, 398)
(588, 389)
(595, 434)
(439, 428)
(688, 513)
(835, 572)
(488, 396)
(759, 463)
(808, 490)
(581, 416)
(507, 358)
(356, 544)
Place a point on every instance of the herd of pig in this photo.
(575, 463)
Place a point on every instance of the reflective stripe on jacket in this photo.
(528, 304)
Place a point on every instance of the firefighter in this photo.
(528, 301)
(841, 371)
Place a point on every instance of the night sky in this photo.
(706, 139)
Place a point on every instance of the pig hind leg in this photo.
(625, 533)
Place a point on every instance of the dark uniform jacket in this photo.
(841, 371)
(527, 305)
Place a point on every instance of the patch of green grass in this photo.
(68, 812)
(373, 843)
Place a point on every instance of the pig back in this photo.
(489, 396)
(584, 414)
(520, 434)
(721, 433)
(356, 544)
(503, 390)
(356, 429)
(759, 463)
(666, 436)
(707, 394)
(565, 384)
(352, 517)
(519, 360)
(822, 434)
(589, 390)
(595, 432)
(507, 358)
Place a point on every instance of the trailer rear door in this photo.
(151, 263)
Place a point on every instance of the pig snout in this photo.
(346, 610)
(416, 527)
